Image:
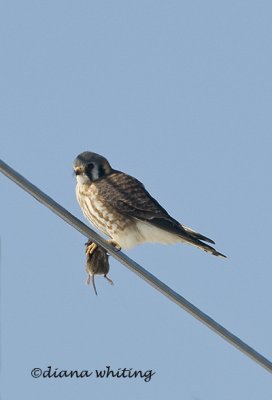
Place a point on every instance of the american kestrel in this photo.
(120, 207)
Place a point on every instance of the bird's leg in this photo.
(116, 246)
(109, 280)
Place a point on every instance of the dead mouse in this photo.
(97, 263)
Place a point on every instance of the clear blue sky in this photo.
(177, 94)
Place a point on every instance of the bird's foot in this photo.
(116, 246)
(91, 247)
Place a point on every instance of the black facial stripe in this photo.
(88, 170)
(101, 171)
(89, 167)
(95, 171)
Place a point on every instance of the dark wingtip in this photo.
(197, 235)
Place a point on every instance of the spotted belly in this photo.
(100, 214)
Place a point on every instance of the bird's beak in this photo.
(77, 170)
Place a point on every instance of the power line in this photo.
(133, 266)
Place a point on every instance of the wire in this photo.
(133, 266)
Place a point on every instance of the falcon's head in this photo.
(89, 167)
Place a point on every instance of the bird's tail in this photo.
(196, 238)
